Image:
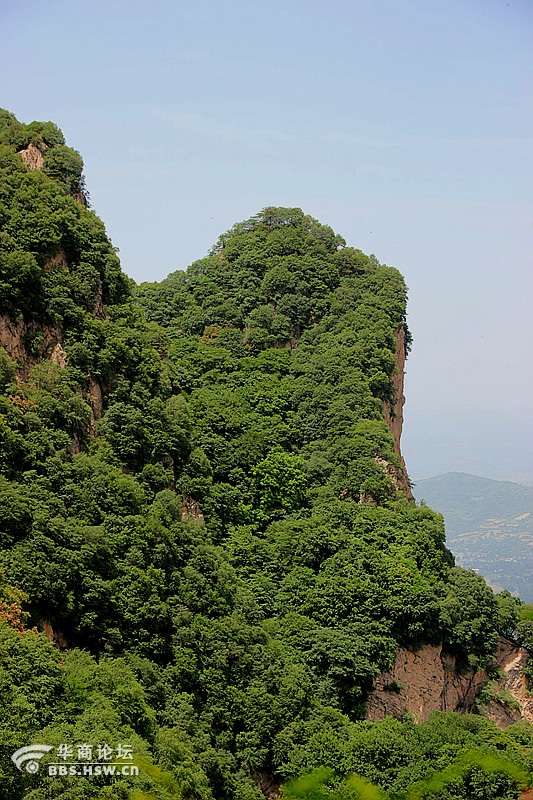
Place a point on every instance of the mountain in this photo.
(210, 557)
(489, 526)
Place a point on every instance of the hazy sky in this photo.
(406, 126)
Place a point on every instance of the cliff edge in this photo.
(393, 410)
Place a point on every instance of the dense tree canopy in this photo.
(204, 549)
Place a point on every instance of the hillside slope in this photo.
(489, 527)
(208, 549)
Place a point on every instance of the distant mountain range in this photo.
(489, 526)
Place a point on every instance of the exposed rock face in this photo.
(428, 680)
(95, 398)
(29, 342)
(58, 355)
(390, 471)
(394, 411)
(421, 682)
(57, 260)
(512, 701)
(33, 156)
(191, 509)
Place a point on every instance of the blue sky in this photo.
(406, 126)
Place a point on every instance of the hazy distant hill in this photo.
(489, 526)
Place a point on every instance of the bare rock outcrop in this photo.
(95, 398)
(59, 259)
(511, 698)
(33, 156)
(421, 682)
(29, 342)
(58, 355)
(428, 680)
(191, 509)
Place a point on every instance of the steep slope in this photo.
(203, 510)
(427, 680)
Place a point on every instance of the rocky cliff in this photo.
(428, 680)
(393, 411)
(28, 342)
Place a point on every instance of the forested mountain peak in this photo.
(282, 280)
(207, 544)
